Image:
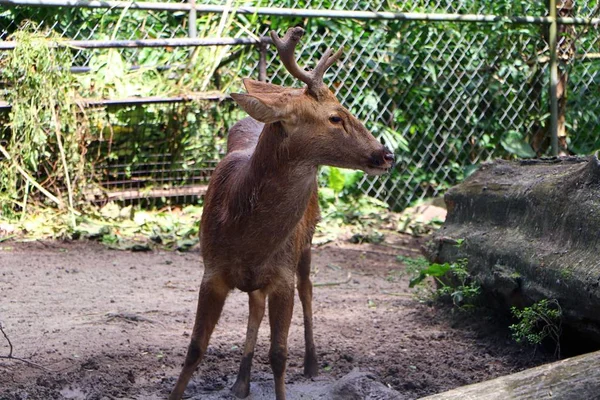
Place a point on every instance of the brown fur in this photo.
(260, 213)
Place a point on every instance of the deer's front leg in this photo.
(257, 298)
(213, 293)
(305, 290)
(281, 305)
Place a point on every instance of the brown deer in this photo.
(261, 209)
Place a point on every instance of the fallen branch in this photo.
(334, 283)
(398, 294)
(129, 317)
(5, 238)
(10, 353)
(10, 346)
(402, 248)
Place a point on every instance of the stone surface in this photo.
(531, 231)
(362, 386)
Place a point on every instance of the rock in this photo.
(362, 386)
(531, 231)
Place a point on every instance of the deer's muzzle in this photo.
(380, 161)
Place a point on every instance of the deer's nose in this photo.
(382, 158)
(388, 156)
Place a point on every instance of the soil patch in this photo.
(113, 325)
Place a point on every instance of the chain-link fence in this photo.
(447, 84)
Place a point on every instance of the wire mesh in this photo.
(582, 69)
(149, 149)
(446, 96)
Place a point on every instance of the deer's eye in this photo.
(334, 119)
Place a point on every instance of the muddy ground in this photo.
(109, 324)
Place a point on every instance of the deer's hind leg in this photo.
(305, 291)
(213, 292)
(257, 298)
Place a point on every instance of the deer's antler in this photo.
(285, 48)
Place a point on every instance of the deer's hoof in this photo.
(240, 389)
(311, 369)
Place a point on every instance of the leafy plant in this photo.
(434, 270)
(45, 145)
(453, 280)
(444, 96)
(413, 264)
(513, 142)
(537, 322)
(412, 267)
(341, 198)
(53, 151)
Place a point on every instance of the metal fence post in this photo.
(552, 39)
(192, 28)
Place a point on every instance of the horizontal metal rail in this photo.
(305, 13)
(119, 44)
(167, 67)
(145, 193)
(135, 101)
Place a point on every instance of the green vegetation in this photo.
(341, 199)
(412, 266)
(453, 282)
(537, 322)
(44, 153)
(54, 151)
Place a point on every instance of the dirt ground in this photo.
(109, 324)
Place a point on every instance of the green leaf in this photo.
(513, 142)
(337, 180)
(327, 194)
(351, 177)
(415, 281)
(432, 270)
(437, 269)
(395, 140)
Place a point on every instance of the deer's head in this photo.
(314, 120)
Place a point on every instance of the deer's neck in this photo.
(256, 203)
(280, 178)
(273, 190)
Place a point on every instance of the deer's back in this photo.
(244, 135)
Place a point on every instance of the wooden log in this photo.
(576, 378)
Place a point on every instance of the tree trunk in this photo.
(573, 378)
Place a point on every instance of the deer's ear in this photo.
(265, 109)
(258, 87)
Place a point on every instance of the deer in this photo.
(261, 209)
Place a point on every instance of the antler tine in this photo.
(286, 47)
(324, 63)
